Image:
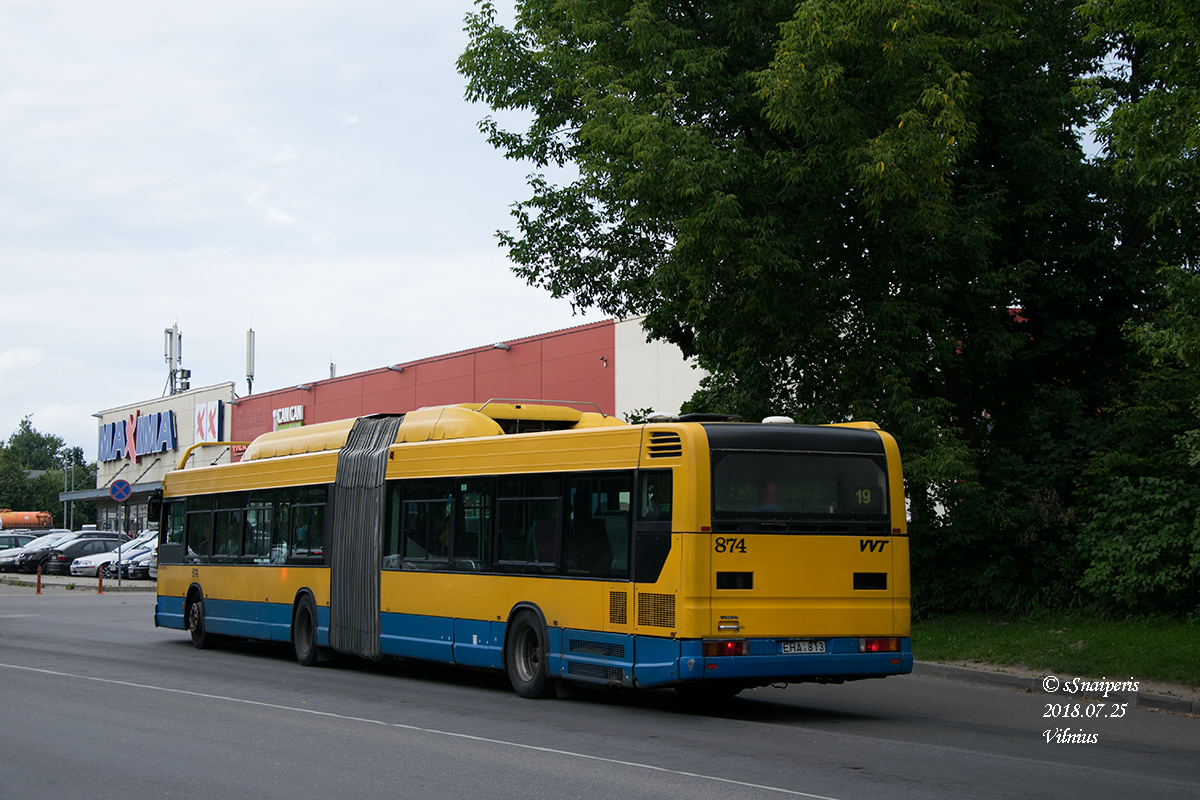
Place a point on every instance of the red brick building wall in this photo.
(573, 364)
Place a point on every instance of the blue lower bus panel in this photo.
(606, 659)
(594, 657)
(413, 636)
(168, 613)
(241, 619)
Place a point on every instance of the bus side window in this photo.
(170, 535)
(258, 534)
(596, 531)
(175, 515)
(309, 532)
(426, 530)
(655, 496)
(652, 540)
(392, 542)
(199, 537)
(528, 532)
(472, 544)
(228, 534)
(425, 523)
(280, 529)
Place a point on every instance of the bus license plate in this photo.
(802, 646)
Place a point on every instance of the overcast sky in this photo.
(310, 169)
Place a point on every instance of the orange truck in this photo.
(25, 519)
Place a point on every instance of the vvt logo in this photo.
(871, 544)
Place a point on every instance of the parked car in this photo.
(152, 567)
(135, 549)
(31, 558)
(11, 540)
(138, 567)
(9, 558)
(89, 566)
(58, 560)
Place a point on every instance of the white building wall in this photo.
(153, 467)
(652, 375)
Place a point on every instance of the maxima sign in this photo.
(140, 435)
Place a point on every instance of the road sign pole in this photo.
(120, 544)
(119, 491)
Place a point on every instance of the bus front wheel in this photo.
(201, 638)
(525, 656)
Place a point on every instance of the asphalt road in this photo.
(96, 702)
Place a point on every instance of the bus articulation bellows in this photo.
(555, 544)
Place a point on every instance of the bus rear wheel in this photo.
(304, 632)
(525, 656)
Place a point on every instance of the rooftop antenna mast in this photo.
(250, 362)
(178, 379)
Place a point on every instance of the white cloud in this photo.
(207, 164)
(19, 358)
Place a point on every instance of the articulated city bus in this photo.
(555, 544)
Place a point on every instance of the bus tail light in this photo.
(725, 647)
(879, 645)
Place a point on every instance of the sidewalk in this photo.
(73, 582)
(1164, 697)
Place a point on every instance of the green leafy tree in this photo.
(13, 478)
(868, 210)
(1141, 530)
(1148, 103)
(37, 488)
(36, 450)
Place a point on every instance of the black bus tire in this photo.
(525, 656)
(201, 638)
(304, 632)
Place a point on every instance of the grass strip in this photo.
(1139, 649)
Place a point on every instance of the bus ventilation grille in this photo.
(618, 608)
(595, 671)
(665, 444)
(606, 649)
(735, 580)
(656, 610)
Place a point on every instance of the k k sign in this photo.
(209, 422)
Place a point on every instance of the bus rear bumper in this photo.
(764, 663)
(649, 661)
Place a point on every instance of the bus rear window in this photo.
(808, 485)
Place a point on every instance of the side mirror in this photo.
(154, 507)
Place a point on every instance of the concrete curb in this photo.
(82, 584)
(1033, 685)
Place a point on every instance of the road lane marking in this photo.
(433, 731)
